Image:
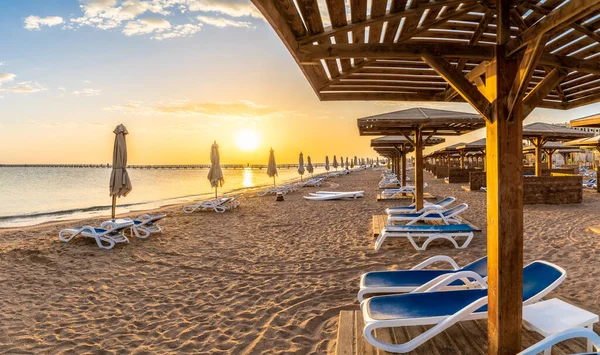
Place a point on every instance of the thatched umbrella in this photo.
(327, 163)
(309, 166)
(301, 165)
(272, 167)
(120, 185)
(215, 174)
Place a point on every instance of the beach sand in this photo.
(267, 278)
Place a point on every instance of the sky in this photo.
(179, 74)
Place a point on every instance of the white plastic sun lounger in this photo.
(567, 334)
(401, 281)
(144, 225)
(408, 189)
(106, 236)
(429, 306)
(430, 232)
(327, 195)
(442, 205)
(219, 205)
(448, 216)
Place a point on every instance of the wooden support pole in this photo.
(418, 169)
(504, 156)
(462, 159)
(404, 168)
(538, 142)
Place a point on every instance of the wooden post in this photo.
(537, 143)
(418, 169)
(462, 159)
(114, 207)
(504, 155)
(404, 167)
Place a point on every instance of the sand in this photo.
(268, 278)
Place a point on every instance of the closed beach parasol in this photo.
(301, 165)
(215, 174)
(327, 163)
(120, 185)
(272, 167)
(309, 166)
(335, 163)
(347, 165)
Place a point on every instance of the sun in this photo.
(247, 140)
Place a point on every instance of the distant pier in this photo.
(172, 167)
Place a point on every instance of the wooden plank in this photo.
(541, 90)
(313, 53)
(345, 335)
(312, 16)
(557, 20)
(378, 8)
(379, 222)
(386, 335)
(426, 195)
(362, 346)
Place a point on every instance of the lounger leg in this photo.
(380, 239)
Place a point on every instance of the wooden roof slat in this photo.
(378, 8)
(398, 6)
(337, 16)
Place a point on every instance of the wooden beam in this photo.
(285, 20)
(314, 53)
(461, 84)
(526, 68)
(571, 63)
(504, 168)
(440, 20)
(375, 96)
(481, 27)
(389, 16)
(418, 169)
(557, 20)
(541, 90)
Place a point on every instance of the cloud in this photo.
(145, 26)
(233, 8)
(237, 109)
(179, 31)
(23, 87)
(87, 92)
(2, 63)
(34, 23)
(223, 22)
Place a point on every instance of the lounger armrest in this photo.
(444, 280)
(556, 338)
(427, 213)
(435, 259)
(430, 207)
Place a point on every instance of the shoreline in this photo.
(76, 213)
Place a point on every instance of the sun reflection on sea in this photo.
(247, 182)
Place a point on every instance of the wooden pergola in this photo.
(550, 148)
(540, 133)
(451, 150)
(418, 126)
(476, 147)
(503, 57)
(396, 148)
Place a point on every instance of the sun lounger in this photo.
(442, 204)
(448, 216)
(590, 184)
(430, 232)
(106, 236)
(573, 333)
(408, 189)
(218, 205)
(145, 225)
(445, 308)
(400, 281)
(334, 195)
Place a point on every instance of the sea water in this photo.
(33, 195)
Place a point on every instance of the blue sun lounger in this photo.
(431, 232)
(400, 281)
(445, 308)
(411, 208)
(448, 216)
